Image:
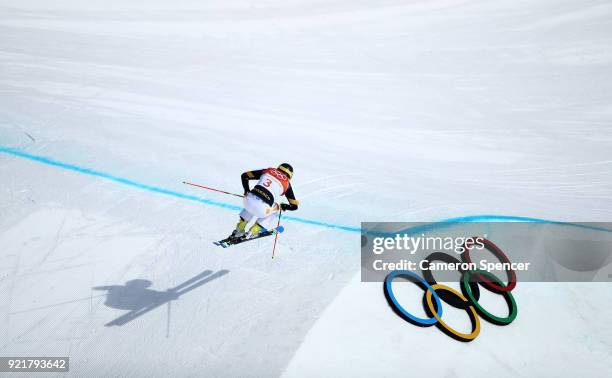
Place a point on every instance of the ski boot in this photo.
(240, 230)
(255, 230)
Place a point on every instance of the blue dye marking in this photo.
(156, 189)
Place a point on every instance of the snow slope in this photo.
(388, 110)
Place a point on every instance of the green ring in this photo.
(512, 307)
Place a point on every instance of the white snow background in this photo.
(414, 110)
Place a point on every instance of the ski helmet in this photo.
(287, 169)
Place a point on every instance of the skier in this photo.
(261, 202)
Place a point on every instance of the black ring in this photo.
(445, 296)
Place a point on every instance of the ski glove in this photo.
(288, 207)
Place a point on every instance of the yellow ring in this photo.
(474, 317)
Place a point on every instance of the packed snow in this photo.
(389, 110)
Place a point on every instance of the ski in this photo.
(227, 242)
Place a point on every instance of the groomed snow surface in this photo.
(389, 110)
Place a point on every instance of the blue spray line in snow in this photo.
(480, 218)
(156, 189)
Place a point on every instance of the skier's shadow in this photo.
(136, 297)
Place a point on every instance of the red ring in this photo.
(465, 256)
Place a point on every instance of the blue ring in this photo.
(399, 273)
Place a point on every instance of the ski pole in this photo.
(280, 212)
(213, 189)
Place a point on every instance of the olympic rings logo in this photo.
(278, 174)
(466, 300)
